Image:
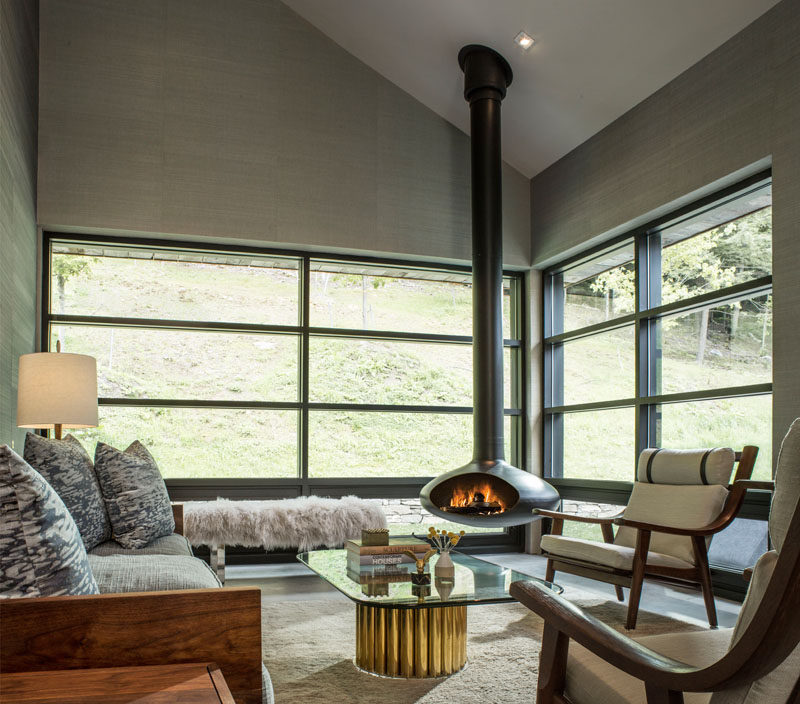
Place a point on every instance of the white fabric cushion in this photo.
(705, 466)
(787, 486)
(591, 680)
(778, 684)
(673, 506)
(616, 556)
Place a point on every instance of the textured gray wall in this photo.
(239, 120)
(729, 115)
(18, 88)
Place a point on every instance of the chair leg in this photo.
(701, 558)
(639, 564)
(552, 665)
(608, 537)
(550, 572)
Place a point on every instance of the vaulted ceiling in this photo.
(592, 61)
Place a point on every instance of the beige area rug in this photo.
(309, 648)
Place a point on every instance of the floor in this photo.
(294, 581)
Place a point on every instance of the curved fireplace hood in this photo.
(514, 493)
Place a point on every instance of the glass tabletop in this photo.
(476, 581)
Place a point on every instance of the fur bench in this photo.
(304, 523)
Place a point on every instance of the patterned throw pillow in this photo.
(41, 551)
(67, 468)
(135, 494)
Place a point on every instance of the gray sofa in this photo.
(165, 563)
(156, 605)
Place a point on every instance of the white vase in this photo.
(445, 569)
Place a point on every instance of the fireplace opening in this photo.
(474, 494)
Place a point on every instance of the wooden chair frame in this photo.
(772, 634)
(699, 575)
(141, 628)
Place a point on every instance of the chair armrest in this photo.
(619, 650)
(755, 484)
(576, 517)
(622, 652)
(143, 628)
(732, 505)
(177, 514)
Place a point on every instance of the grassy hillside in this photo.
(188, 442)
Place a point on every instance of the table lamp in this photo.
(57, 390)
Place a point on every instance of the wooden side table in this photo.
(197, 683)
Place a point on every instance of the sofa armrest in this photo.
(144, 628)
(177, 514)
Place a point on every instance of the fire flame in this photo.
(465, 496)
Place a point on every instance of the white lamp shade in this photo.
(57, 388)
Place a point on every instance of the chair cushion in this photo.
(67, 467)
(173, 544)
(787, 486)
(591, 680)
(151, 573)
(135, 494)
(777, 685)
(706, 466)
(41, 551)
(617, 556)
(674, 506)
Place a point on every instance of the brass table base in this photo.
(411, 642)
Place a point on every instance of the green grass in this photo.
(150, 364)
(600, 444)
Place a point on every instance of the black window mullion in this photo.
(303, 368)
(648, 355)
(647, 319)
(553, 386)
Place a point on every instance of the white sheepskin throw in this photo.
(305, 523)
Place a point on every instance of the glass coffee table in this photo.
(403, 630)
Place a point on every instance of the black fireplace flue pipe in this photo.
(486, 77)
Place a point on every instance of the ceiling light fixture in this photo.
(524, 40)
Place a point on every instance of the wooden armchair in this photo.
(584, 661)
(141, 628)
(680, 500)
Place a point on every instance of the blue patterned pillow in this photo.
(41, 551)
(67, 467)
(135, 494)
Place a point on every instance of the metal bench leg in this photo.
(218, 561)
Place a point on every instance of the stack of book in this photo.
(361, 556)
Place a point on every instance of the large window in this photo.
(295, 372)
(663, 338)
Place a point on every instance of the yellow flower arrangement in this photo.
(443, 540)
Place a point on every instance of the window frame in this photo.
(183, 489)
(648, 310)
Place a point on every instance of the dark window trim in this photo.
(753, 183)
(745, 290)
(648, 310)
(648, 397)
(183, 489)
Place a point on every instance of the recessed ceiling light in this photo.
(524, 40)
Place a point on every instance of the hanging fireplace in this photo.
(488, 491)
